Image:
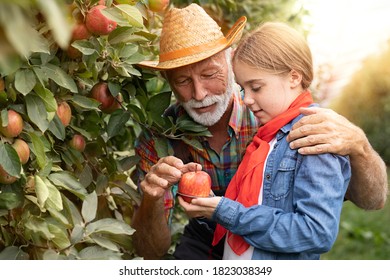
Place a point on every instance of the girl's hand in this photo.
(200, 207)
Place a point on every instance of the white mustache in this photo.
(207, 101)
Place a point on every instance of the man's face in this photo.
(204, 88)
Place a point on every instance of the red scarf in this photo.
(245, 184)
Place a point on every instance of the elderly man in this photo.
(195, 58)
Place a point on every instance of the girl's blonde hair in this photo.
(277, 48)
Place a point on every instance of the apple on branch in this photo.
(194, 184)
(14, 126)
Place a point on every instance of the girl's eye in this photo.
(256, 89)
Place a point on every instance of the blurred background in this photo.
(350, 41)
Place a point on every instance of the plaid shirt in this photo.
(220, 166)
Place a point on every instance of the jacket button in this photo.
(268, 176)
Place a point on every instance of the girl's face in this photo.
(267, 95)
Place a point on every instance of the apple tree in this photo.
(72, 103)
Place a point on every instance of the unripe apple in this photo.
(78, 142)
(101, 93)
(22, 149)
(15, 125)
(158, 5)
(194, 184)
(64, 113)
(97, 23)
(5, 178)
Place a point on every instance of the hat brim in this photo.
(233, 35)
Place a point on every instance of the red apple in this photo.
(5, 178)
(97, 23)
(115, 105)
(22, 150)
(158, 5)
(64, 113)
(78, 142)
(15, 125)
(194, 184)
(101, 93)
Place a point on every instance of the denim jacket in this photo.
(302, 201)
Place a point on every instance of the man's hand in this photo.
(166, 172)
(324, 131)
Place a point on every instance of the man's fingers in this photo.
(192, 166)
(310, 110)
(315, 150)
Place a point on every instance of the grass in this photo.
(363, 235)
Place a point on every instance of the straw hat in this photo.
(190, 35)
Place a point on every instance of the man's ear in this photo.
(295, 78)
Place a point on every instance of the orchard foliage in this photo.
(73, 197)
(65, 167)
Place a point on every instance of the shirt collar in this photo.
(235, 121)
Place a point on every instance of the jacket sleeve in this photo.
(318, 193)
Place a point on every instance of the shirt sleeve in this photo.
(144, 148)
(318, 193)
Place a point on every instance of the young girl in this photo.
(279, 204)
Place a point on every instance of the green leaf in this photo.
(129, 68)
(71, 212)
(57, 21)
(137, 113)
(89, 207)
(38, 148)
(104, 242)
(41, 190)
(123, 12)
(192, 142)
(158, 103)
(85, 47)
(54, 199)
(47, 97)
(11, 197)
(57, 128)
(59, 217)
(134, 59)
(59, 76)
(125, 34)
(161, 146)
(98, 253)
(39, 226)
(117, 121)
(60, 239)
(36, 111)
(109, 225)
(77, 234)
(9, 160)
(69, 182)
(128, 50)
(25, 81)
(13, 253)
(85, 102)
